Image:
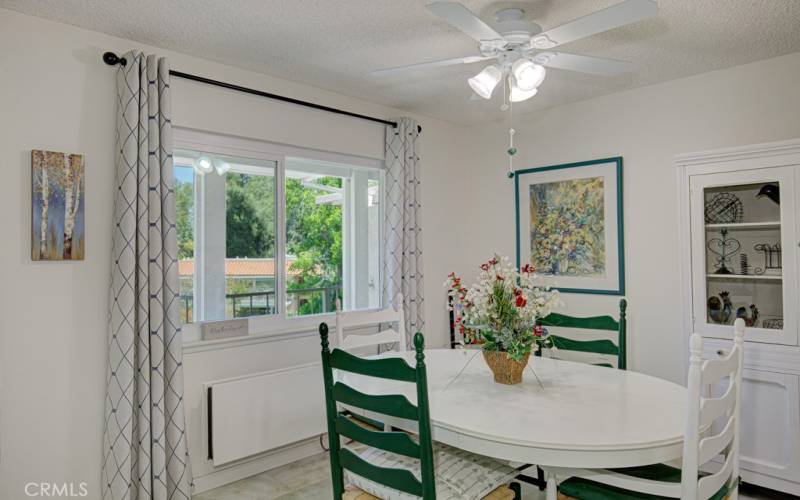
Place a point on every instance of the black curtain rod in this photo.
(112, 59)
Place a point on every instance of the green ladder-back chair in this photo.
(601, 346)
(396, 405)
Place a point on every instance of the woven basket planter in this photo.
(506, 370)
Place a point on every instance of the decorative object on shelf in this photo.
(749, 319)
(723, 247)
(773, 259)
(744, 265)
(724, 208)
(57, 206)
(771, 191)
(772, 323)
(503, 306)
(569, 225)
(720, 308)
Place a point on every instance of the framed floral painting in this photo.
(569, 225)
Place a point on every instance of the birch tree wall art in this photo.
(57, 206)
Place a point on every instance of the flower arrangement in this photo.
(502, 306)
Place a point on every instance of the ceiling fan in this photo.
(521, 50)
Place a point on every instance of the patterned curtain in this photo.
(144, 439)
(402, 265)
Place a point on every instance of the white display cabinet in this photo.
(739, 245)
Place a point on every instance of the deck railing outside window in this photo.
(300, 301)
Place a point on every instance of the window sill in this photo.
(263, 329)
(286, 330)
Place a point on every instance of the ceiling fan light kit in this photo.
(527, 74)
(523, 77)
(484, 82)
(517, 94)
(518, 46)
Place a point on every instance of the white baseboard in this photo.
(256, 465)
(770, 482)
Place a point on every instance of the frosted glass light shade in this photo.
(528, 74)
(484, 82)
(517, 94)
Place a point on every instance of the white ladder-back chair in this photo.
(393, 316)
(702, 440)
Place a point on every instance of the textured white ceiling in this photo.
(334, 44)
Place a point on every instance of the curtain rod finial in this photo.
(112, 59)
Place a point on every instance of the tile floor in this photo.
(309, 479)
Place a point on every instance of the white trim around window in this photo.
(277, 326)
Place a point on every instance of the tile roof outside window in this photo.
(240, 267)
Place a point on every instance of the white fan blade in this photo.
(615, 16)
(462, 18)
(587, 64)
(433, 64)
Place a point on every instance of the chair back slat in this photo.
(356, 319)
(396, 442)
(708, 486)
(396, 405)
(702, 412)
(393, 316)
(389, 368)
(384, 337)
(399, 479)
(588, 323)
(712, 446)
(602, 346)
(388, 404)
(713, 408)
(715, 370)
(604, 323)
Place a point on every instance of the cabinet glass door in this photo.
(743, 254)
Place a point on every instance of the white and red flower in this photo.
(485, 305)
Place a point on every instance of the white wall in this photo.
(56, 94)
(755, 103)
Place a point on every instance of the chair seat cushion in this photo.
(585, 489)
(459, 475)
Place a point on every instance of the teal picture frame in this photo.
(619, 289)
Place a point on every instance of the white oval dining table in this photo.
(563, 414)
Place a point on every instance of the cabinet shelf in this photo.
(746, 225)
(745, 277)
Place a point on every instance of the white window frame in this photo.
(215, 143)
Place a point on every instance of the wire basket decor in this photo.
(773, 324)
(724, 208)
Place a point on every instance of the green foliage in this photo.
(314, 237)
(509, 332)
(313, 232)
(249, 216)
(184, 217)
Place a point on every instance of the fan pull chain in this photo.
(511, 149)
